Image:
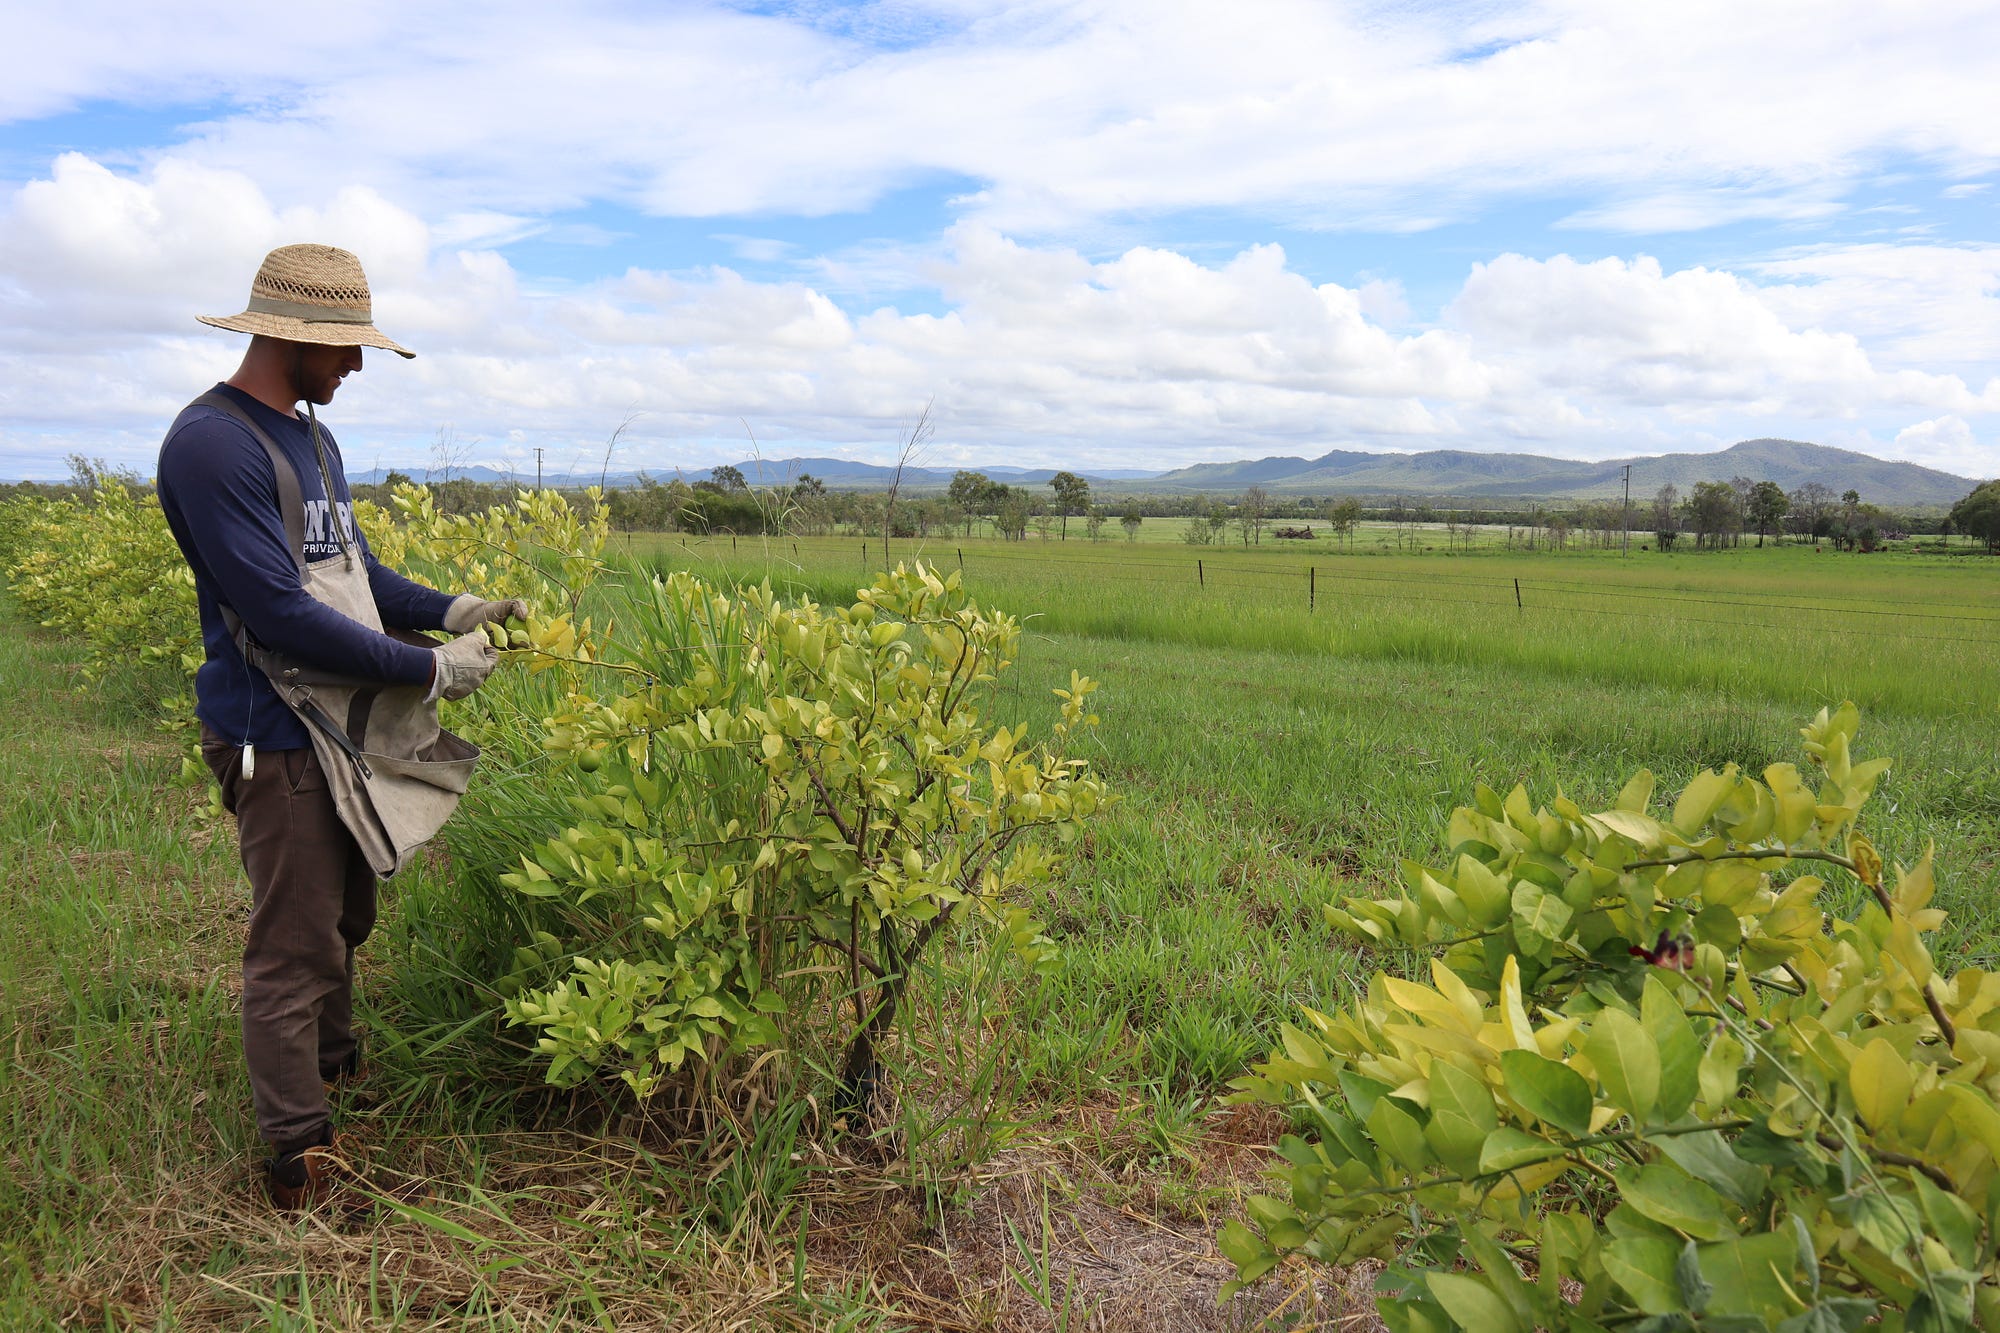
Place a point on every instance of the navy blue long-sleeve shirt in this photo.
(221, 500)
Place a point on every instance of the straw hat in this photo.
(310, 294)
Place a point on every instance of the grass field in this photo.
(1272, 756)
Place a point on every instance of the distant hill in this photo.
(1460, 473)
(839, 473)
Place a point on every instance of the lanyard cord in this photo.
(333, 515)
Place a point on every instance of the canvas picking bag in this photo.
(395, 774)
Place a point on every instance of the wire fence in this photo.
(1312, 583)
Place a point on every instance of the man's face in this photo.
(318, 370)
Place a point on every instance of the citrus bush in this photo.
(769, 810)
(1651, 1083)
(782, 790)
(105, 571)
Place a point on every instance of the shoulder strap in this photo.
(284, 673)
(291, 501)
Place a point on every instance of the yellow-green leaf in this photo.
(1627, 1065)
(1880, 1080)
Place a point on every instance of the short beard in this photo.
(316, 394)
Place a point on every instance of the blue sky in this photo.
(1088, 232)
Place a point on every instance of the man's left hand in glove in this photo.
(468, 613)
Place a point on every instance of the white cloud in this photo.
(1032, 352)
(1947, 443)
(1921, 304)
(1058, 112)
(1687, 344)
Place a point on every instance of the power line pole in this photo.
(1628, 509)
(538, 467)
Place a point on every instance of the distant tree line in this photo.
(1714, 515)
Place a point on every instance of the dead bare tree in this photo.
(914, 442)
(612, 444)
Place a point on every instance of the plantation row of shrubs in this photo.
(710, 825)
(1626, 1071)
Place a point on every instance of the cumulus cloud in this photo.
(1031, 351)
(1055, 111)
(1038, 347)
(1923, 304)
(1686, 343)
(1947, 443)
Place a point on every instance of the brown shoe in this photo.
(315, 1174)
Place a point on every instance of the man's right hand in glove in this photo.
(462, 666)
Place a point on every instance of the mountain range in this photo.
(838, 473)
(1455, 473)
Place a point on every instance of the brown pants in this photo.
(312, 897)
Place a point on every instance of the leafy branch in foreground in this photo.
(1651, 1084)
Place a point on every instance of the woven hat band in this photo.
(318, 314)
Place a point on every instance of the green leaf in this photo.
(1707, 1158)
(1751, 1276)
(1637, 791)
(1720, 1068)
(1718, 925)
(1952, 1220)
(1701, 798)
(1642, 831)
(1501, 1275)
(1472, 1304)
(1695, 1290)
(1808, 1255)
(1627, 1065)
(1462, 1115)
(1889, 1222)
(1679, 1048)
(1361, 1092)
(1400, 1135)
(1247, 1250)
(1507, 1148)
(1482, 892)
(1879, 1078)
(1539, 913)
(1842, 1314)
(1551, 1092)
(1945, 1305)
(1645, 1267)
(1671, 1197)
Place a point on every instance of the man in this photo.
(312, 891)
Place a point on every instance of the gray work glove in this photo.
(469, 613)
(462, 666)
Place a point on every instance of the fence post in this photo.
(1200, 575)
(1312, 588)
(864, 558)
(1517, 595)
(961, 557)
(732, 543)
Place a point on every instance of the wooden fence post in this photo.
(1312, 588)
(1200, 575)
(1517, 595)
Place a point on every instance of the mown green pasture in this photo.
(1800, 626)
(1271, 757)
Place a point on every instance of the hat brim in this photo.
(326, 333)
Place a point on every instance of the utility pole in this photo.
(1628, 509)
(538, 467)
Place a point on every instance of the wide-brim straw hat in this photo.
(310, 294)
